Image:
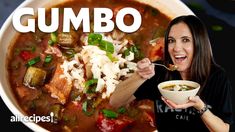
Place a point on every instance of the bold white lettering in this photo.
(120, 17)
(99, 19)
(17, 20)
(42, 20)
(102, 20)
(83, 16)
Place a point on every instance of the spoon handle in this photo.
(170, 69)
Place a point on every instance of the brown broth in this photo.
(182, 87)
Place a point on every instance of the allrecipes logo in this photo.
(34, 118)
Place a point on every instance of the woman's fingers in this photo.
(146, 73)
(145, 68)
(166, 102)
(198, 103)
(184, 106)
(194, 98)
(146, 76)
(143, 63)
(148, 69)
(173, 105)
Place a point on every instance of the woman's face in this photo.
(180, 46)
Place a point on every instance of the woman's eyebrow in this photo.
(186, 37)
(170, 37)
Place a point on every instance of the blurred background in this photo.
(218, 16)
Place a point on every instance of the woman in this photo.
(188, 47)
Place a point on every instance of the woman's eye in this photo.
(185, 40)
(170, 41)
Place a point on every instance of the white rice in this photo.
(107, 72)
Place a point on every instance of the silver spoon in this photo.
(170, 68)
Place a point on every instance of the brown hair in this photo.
(202, 57)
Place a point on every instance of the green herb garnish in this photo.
(33, 61)
(90, 82)
(85, 108)
(121, 110)
(106, 46)
(50, 42)
(54, 37)
(48, 59)
(94, 39)
(111, 57)
(134, 49)
(109, 113)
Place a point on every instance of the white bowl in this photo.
(171, 8)
(178, 97)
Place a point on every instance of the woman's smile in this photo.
(179, 58)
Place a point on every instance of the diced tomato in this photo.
(149, 117)
(26, 55)
(105, 125)
(113, 125)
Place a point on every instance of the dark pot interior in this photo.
(224, 5)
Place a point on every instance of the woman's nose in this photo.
(177, 46)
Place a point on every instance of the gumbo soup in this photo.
(178, 87)
(73, 74)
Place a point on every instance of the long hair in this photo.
(202, 57)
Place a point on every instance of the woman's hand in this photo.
(145, 68)
(194, 101)
(124, 91)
